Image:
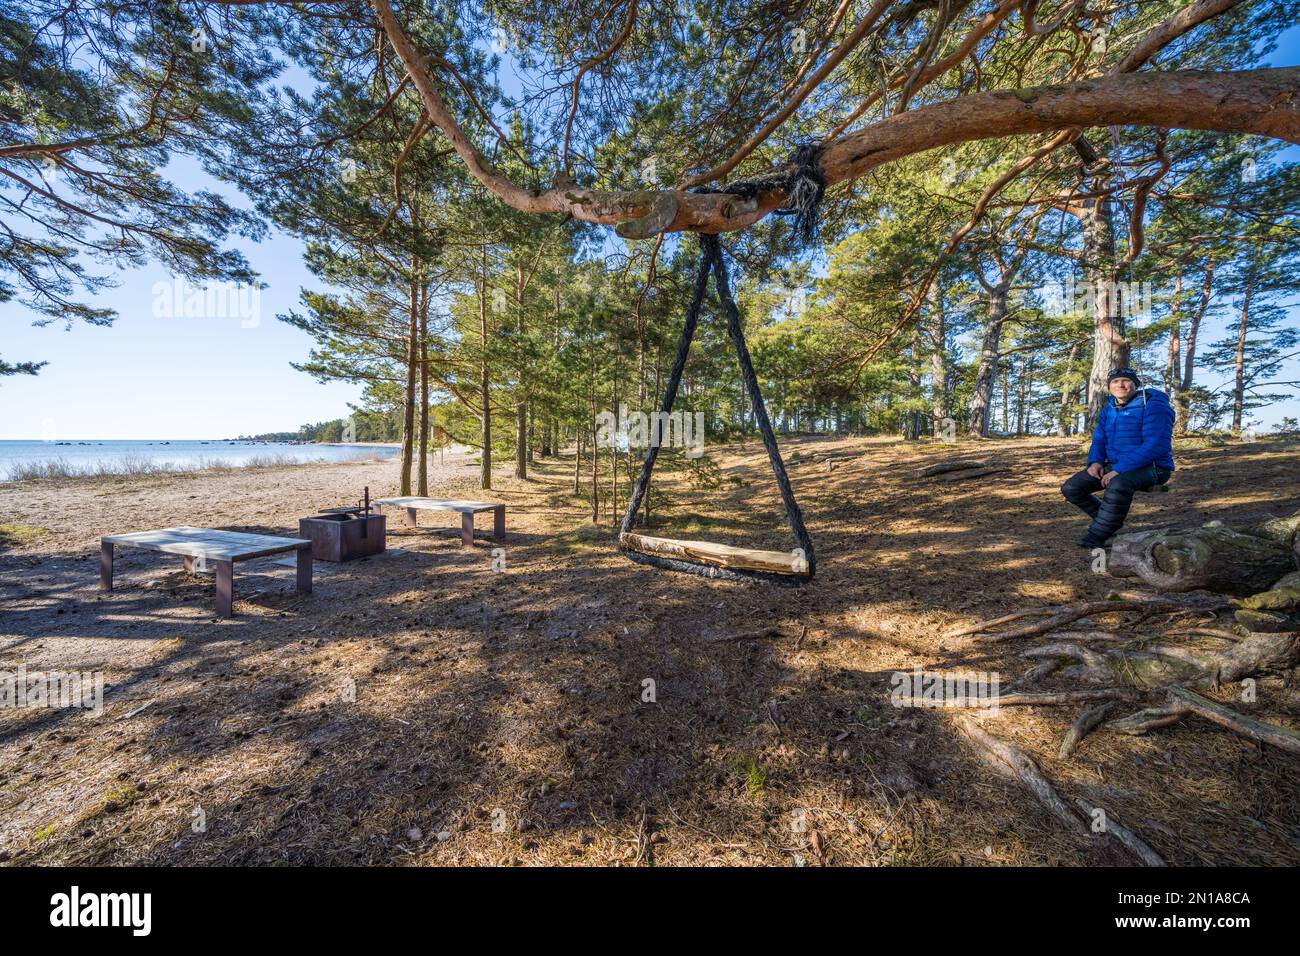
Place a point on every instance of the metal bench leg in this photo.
(467, 529)
(410, 518)
(304, 570)
(499, 523)
(105, 566)
(225, 588)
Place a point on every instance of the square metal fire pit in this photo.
(343, 535)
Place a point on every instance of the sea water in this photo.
(94, 455)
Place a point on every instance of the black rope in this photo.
(802, 181)
(711, 259)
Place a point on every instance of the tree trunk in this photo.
(412, 365)
(939, 408)
(521, 406)
(577, 463)
(613, 460)
(1174, 362)
(990, 350)
(595, 446)
(1006, 399)
(1110, 350)
(1183, 404)
(1065, 419)
(422, 485)
(484, 390)
(521, 440)
(1239, 360)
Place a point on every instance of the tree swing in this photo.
(804, 185)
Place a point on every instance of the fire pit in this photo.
(341, 534)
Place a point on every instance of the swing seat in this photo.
(716, 555)
(720, 561)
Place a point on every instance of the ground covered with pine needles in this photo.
(424, 708)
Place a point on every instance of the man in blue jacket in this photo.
(1132, 450)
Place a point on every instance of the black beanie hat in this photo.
(1125, 373)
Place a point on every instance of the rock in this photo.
(1269, 622)
(1278, 599)
(444, 836)
(1282, 530)
(415, 833)
(1291, 580)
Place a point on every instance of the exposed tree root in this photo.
(1150, 719)
(1010, 760)
(1213, 557)
(944, 467)
(1054, 617)
(1206, 632)
(975, 473)
(761, 634)
(1047, 699)
(1281, 737)
(1085, 722)
(1131, 841)
(1162, 665)
(1097, 636)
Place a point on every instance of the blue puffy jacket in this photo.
(1136, 434)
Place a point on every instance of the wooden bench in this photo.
(467, 511)
(223, 548)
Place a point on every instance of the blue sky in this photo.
(150, 377)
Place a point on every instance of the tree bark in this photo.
(1174, 361)
(422, 485)
(1239, 359)
(1110, 350)
(1065, 418)
(1183, 402)
(484, 382)
(938, 333)
(412, 365)
(1212, 557)
(981, 401)
(521, 405)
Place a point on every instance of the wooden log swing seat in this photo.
(725, 562)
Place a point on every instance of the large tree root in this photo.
(1183, 702)
(1008, 759)
(1213, 557)
(1162, 665)
(1134, 843)
(1012, 761)
(1085, 722)
(945, 467)
(1152, 718)
(1281, 737)
(1054, 617)
(1050, 699)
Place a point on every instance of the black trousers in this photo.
(1109, 513)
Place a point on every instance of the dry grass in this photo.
(142, 466)
(422, 709)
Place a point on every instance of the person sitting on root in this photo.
(1132, 450)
